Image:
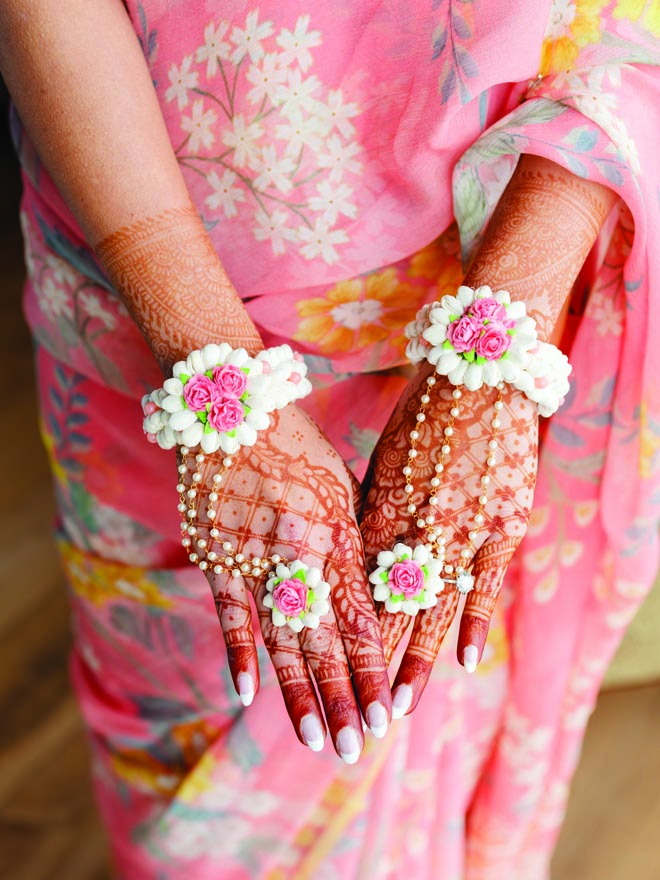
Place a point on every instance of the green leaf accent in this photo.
(511, 332)
(470, 355)
(208, 429)
(455, 317)
(480, 360)
(505, 356)
(311, 596)
(183, 401)
(245, 370)
(384, 576)
(231, 433)
(209, 374)
(404, 558)
(202, 416)
(184, 377)
(425, 570)
(447, 345)
(299, 576)
(244, 396)
(394, 597)
(277, 581)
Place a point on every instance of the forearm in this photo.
(539, 238)
(82, 87)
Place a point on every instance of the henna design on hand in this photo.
(510, 496)
(171, 280)
(292, 494)
(536, 243)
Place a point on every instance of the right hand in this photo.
(292, 494)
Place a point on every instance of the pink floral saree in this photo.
(346, 157)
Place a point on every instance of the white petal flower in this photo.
(386, 558)
(210, 442)
(340, 158)
(180, 421)
(265, 79)
(273, 227)
(214, 48)
(199, 126)
(248, 39)
(301, 130)
(242, 138)
(296, 93)
(272, 170)
(225, 194)
(297, 43)
(320, 241)
(451, 304)
(173, 386)
(193, 434)
(172, 403)
(474, 377)
(337, 114)
(332, 200)
(182, 79)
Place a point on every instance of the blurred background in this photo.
(49, 828)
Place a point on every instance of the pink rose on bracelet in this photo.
(230, 380)
(224, 415)
(406, 578)
(463, 334)
(290, 597)
(493, 342)
(488, 309)
(199, 391)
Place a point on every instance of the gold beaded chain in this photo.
(211, 553)
(435, 538)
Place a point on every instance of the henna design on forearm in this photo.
(173, 284)
(539, 237)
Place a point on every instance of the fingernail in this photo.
(312, 732)
(377, 719)
(348, 745)
(470, 658)
(245, 688)
(401, 700)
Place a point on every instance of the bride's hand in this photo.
(291, 494)
(509, 491)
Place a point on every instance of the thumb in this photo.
(490, 565)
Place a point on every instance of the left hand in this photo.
(510, 493)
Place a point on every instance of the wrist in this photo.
(170, 278)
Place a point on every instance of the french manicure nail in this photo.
(470, 658)
(312, 732)
(377, 719)
(245, 688)
(401, 700)
(348, 745)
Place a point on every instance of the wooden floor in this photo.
(49, 829)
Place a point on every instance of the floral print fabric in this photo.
(325, 148)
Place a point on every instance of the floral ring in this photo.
(407, 579)
(297, 596)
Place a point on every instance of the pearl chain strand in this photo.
(201, 551)
(435, 538)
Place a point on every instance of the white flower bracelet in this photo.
(479, 337)
(220, 396)
(217, 399)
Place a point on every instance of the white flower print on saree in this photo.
(273, 142)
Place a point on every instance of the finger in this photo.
(382, 525)
(324, 652)
(292, 672)
(490, 565)
(233, 607)
(429, 629)
(358, 625)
